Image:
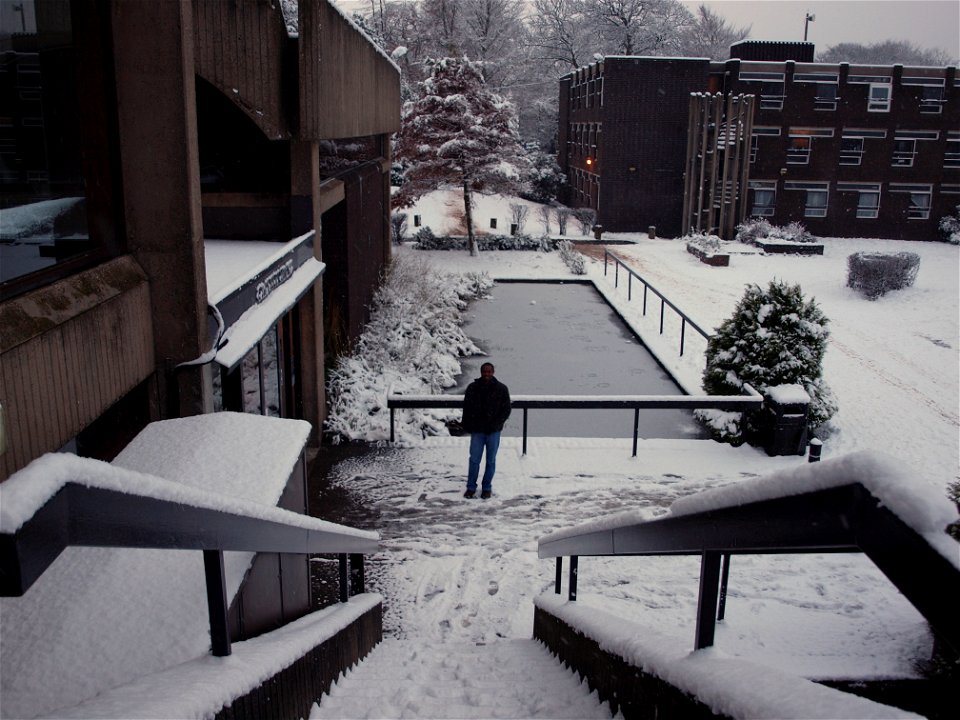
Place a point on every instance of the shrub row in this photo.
(426, 240)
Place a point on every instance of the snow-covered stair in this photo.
(453, 680)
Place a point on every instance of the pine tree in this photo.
(774, 337)
(458, 132)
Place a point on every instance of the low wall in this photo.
(292, 692)
(628, 689)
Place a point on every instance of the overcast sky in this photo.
(927, 23)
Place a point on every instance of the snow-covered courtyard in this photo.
(464, 572)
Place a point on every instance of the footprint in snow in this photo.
(494, 588)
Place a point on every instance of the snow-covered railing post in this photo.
(572, 589)
(558, 579)
(707, 600)
(724, 577)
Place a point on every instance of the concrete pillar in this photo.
(157, 123)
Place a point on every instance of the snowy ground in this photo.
(455, 571)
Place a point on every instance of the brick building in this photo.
(848, 150)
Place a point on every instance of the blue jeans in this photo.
(479, 442)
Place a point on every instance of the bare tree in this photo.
(710, 35)
(518, 216)
(563, 215)
(888, 52)
(544, 212)
(639, 27)
(494, 35)
(559, 33)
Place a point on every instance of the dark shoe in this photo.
(485, 495)
(469, 494)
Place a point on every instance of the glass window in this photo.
(868, 204)
(764, 202)
(45, 163)
(931, 99)
(816, 204)
(951, 157)
(771, 96)
(904, 150)
(799, 151)
(879, 98)
(826, 97)
(851, 150)
(919, 205)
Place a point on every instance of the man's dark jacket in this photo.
(486, 406)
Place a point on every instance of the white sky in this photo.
(927, 23)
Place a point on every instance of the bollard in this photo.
(652, 232)
(816, 447)
(597, 232)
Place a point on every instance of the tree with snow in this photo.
(710, 35)
(459, 132)
(775, 337)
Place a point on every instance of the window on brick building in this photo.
(764, 197)
(920, 196)
(817, 197)
(868, 198)
(951, 156)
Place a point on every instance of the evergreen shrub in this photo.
(571, 257)
(875, 274)
(775, 337)
(950, 227)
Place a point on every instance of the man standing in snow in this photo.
(486, 407)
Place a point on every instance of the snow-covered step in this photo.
(453, 680)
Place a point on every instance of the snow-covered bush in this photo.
(412, 344)
(546, 179)
(587, 217)
(485, 243)
(953, 492)
(775, 337)
(709, 244)
(759, 228)
(571, 257)
(875, 273)
(950, 227)
(424, 237)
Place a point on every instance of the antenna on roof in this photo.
(806, 23)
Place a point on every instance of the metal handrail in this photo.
(664, 302)
(79, 515)
(846, 518)
(750, 400)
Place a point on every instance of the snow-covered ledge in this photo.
(729, 686)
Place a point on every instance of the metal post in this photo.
(663, 305)
(559, 578)
(707, 600)
(216, 602)
(645, 299)
(605, 254)
(392, 410)
(616, 273)
(525, 431)
(636, 429)
(683, 330)
(344, 590)
(572, 594)
(356, 574)
(725, 575)
(629, 287)
(816, 447)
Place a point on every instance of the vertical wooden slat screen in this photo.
(347, 87)
(241, 50)
(69, 368)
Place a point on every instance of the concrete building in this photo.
(848, 150)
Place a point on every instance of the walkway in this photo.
(504, 679)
